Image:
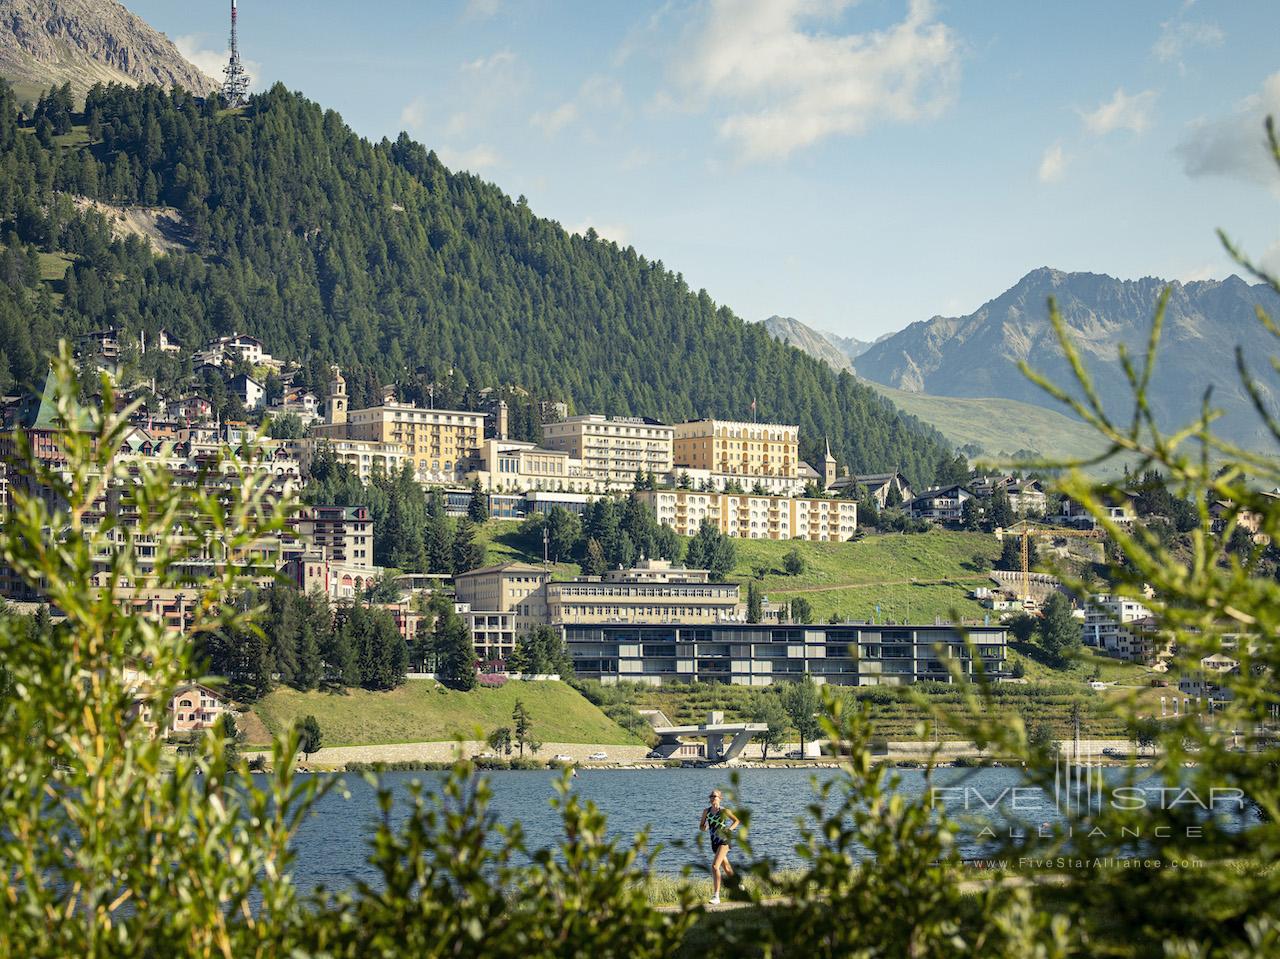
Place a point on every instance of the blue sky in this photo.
(857, 165)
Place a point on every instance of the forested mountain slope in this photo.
(334, 249)
(977, 355)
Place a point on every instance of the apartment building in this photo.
(754, 517)
(613, 449)
(342, 534)
(438, 443)
(760, 655)
(1120, 627)
(652, 592)
(748, 452)
(1211, 681)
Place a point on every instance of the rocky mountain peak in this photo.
(83, 42)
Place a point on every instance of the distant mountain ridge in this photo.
(977, 355)
(83, 42)
(838, 352)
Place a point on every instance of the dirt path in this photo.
(443, 752)
(949, 581)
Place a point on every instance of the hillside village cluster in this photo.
(652, 623)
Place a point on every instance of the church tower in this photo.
(335, 410)
(828, 468)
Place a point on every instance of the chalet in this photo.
(1073, 513)
(194, 707)
(104, 343)
(191, 409)
(238, 346)
(250, 392)
(941, 505)
(1026, 496)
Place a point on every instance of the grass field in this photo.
(913, 577)
(423, 711)
(1002, 427)
(503, 543)
(53, 266)
(917, 577)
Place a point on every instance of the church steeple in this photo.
(828, 468)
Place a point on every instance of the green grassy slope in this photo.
(1001, 426)
(423, 711)
(916, 577)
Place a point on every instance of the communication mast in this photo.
(235, 85)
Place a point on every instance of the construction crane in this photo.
(1025, 530)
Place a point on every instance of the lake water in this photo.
(333, 849)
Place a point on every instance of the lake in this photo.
(332, 844)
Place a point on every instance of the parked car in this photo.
(794, 754)
(484, 756)
(562, 758)
(1112, 753)
(1097, 685)
(654, 754)
(598, 757)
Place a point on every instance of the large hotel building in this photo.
(440, 444)
(754, 517)
(745, 450)
(613, 449)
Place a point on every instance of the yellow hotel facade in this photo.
(754, 517)
(739, 449)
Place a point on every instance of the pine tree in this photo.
(478, 507)
(522, 725)
(455, 650)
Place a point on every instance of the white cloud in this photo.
(414, 114)
(553, 121)
(481, 64)
(481, 9)
(1204, 271)
(1234, 145)
(211, 62)
(787, 84)
(1179, 36)
(1121, 112)
(610, 231)
(1053, 164)
(597, 94)
(476, 158)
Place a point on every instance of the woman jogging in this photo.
(721, 822)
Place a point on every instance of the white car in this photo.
(1097, 685)
(562, 758)
(598, 757)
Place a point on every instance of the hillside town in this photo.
(647, 619)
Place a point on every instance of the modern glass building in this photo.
(851, 654)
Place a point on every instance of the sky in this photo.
(857, 165)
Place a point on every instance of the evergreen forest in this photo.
(334, 249)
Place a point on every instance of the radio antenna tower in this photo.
(235, 84)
